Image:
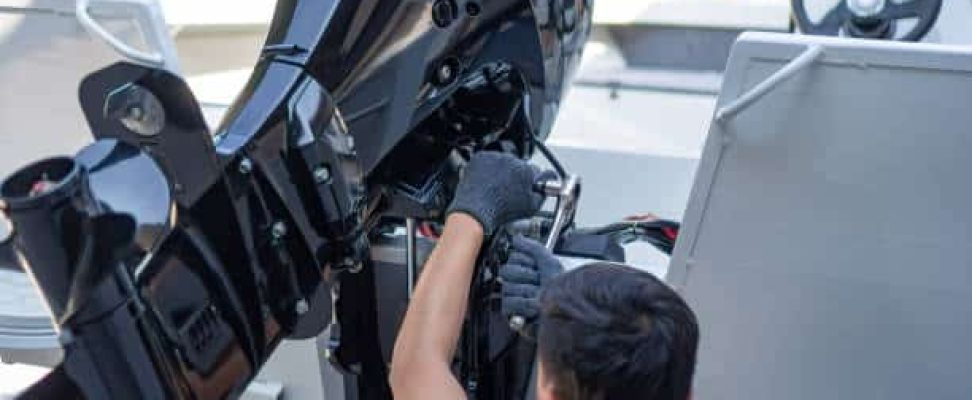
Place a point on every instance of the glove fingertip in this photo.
(529, 246)
(540, 174)
(522, 259)
(519, 275)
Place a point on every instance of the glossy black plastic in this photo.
(52, 197)
(379, 60)
(211, 248)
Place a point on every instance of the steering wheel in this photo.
(872, 19)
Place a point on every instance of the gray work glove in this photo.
(529, 267)
(496, 189)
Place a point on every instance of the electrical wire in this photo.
(549, 155)
(659, 233)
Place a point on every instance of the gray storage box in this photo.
(827, 244)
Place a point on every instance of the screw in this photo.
(517, 322)
(301, 307)
(322, 174)
(278, 230)
(246, 166)
(351, 265)
(137, 108)
(445, 73)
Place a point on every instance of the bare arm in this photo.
(495, 189)
(428, 336)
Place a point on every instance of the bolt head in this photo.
(246, 166)
(136, 108)
(445, 73)
(322, 174)
(517, 322)
(352, 266)
(301, 307)
(278, 230)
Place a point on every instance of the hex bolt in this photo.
(136, 113)
(445, 73)
(352, 266)
(278, 230)
(136, 108)
(301, 307)
(246, 166)
(322, 174)
(517, 322)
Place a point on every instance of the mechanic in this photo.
(604, 331)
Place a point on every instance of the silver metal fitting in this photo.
(137, 108)
(301, 307)
(245, 166)
(517, 322)
(278, 230)
(866, 8)
(322, 174)
(351, 265)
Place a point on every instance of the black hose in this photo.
(549, 155)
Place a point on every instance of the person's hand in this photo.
(496, 189)
(529, 267)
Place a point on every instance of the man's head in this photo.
(612, 332)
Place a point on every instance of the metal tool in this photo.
(566, 191)
(411, 262)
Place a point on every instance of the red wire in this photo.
(670, 232)
(426, 230)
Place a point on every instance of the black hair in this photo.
(612, 332)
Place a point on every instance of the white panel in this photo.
(826, 246)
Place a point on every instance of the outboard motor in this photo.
(174, 260)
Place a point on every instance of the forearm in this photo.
(433, 322)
